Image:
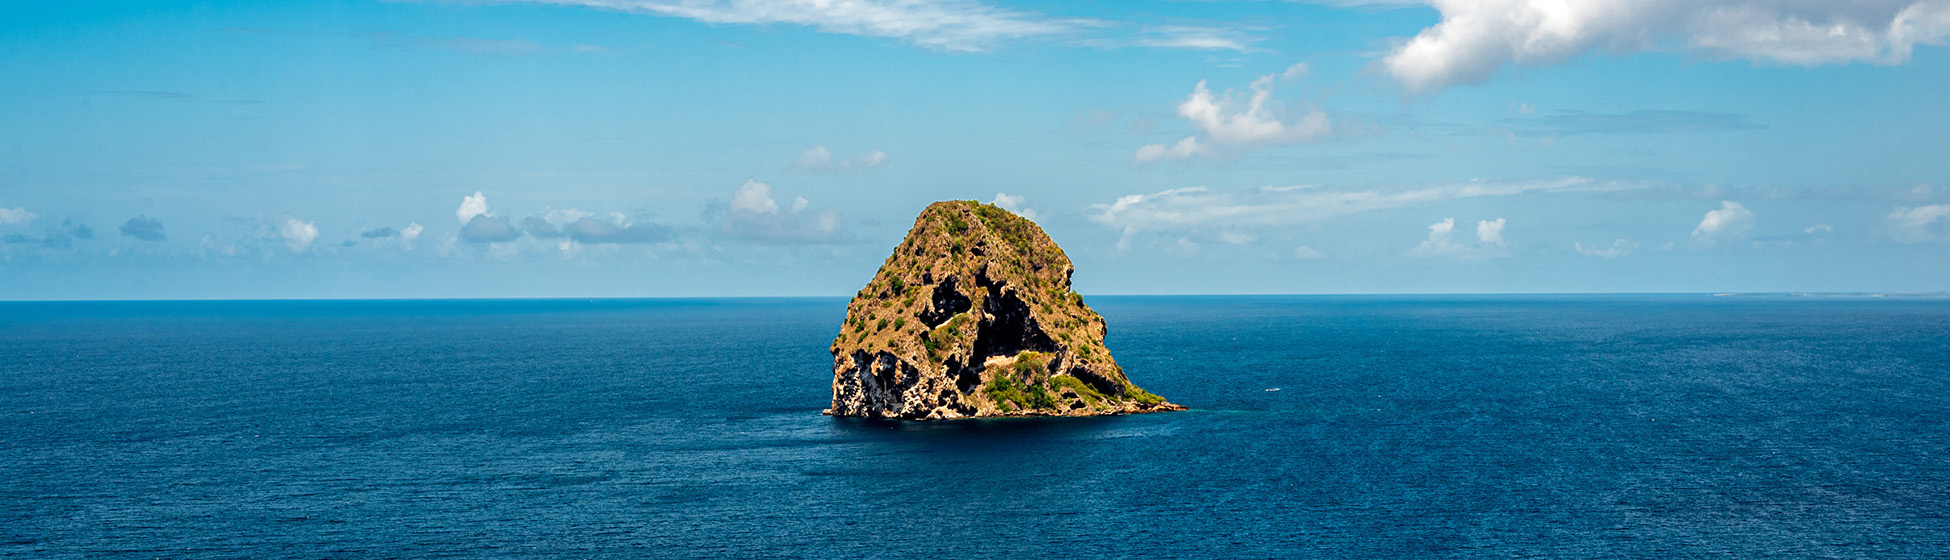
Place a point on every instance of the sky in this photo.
(684, 148)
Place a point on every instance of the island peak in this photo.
(973, 316)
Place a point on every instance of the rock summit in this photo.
(973, 316)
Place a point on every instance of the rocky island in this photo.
(973, 316)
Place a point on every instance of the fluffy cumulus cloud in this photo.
(1476, 38)
(297, 234)
(480, 225)
(1617, 248)
(1238, 121)
(144, 228)
(1013, 203)
(1730, 220)
(471, 206)
(15, 216)
(1490, 231)
(483, 228)
(1442, 241)
(818, 158)
(755, 216)
(1921, 223)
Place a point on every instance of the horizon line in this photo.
(1857, 294)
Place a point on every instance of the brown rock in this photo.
(973, 316)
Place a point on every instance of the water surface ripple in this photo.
(1402, 427)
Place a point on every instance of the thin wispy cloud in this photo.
(464, 45)
(15, 216)
(818, 158)
(1649, 121)
(1617, 248)
(947, 25)
(179, 97)
(1198, 207)
(952, 25)
(1921, 223)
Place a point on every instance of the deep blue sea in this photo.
(1322, 427)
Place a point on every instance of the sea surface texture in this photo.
(1322, 427)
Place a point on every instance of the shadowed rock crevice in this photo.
(946, 302)
(973, 315)
(1008, 329)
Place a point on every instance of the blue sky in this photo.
(625, 148)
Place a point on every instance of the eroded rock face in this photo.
(973, 316)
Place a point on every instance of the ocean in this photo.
(1681, 426)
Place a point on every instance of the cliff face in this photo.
(973, 316)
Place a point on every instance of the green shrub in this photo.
(881, 325)
(1007, 391)
(1031, 366)
(1140, 395)
(899, 322)
(1089, 394)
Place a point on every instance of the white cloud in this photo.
(818, 158)
(754, 197)
(1190, 37)
(1438, 241)
(1179, 150)
(1922, 223)
(1490, 232)
(1013, 203)
(1242, 121)
(1476, 38)
(1730, 220)
(1441, 241)
(1617, 248)
(15, 216)
(297, 234)
(410, 233)
(617, 229)
(1305, 252)
(1234, 237)
(471, 206)
(953, 25)
(1296, 71)
(1819, 228)
(565, 216)
(753, 215)
(1200, 208)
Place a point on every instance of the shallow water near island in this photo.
(1401, 427)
